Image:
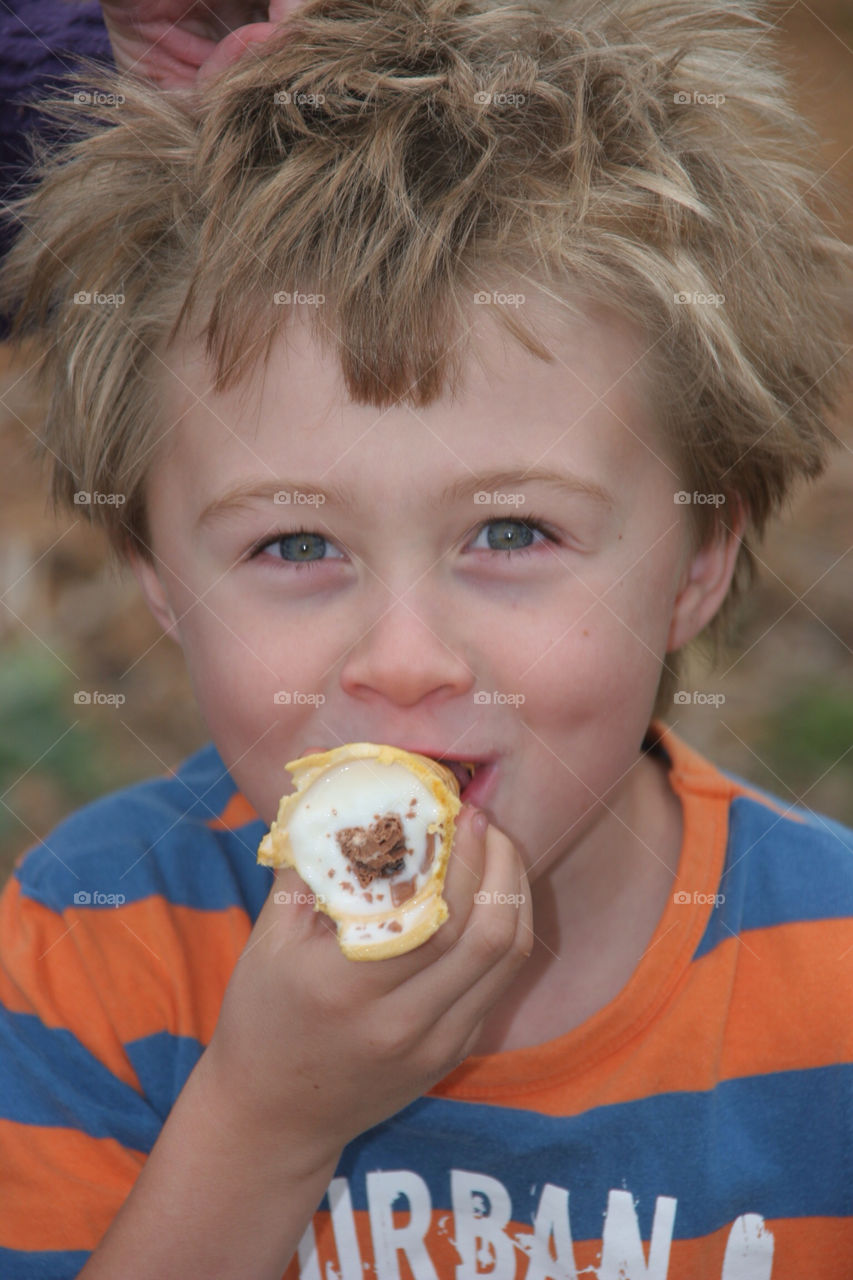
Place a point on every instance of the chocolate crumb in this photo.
(331, 873)
(394, 926)
(378, 850)
(345, 884)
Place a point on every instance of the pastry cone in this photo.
(369, 829)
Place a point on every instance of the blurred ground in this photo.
(70, 623)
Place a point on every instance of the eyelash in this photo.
(532, 523)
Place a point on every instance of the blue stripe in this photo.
(47, 1077)
(148, 839)
(52, 1265)
(780, 1145)
(778, 871)
(163, 1063)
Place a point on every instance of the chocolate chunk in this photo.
(378, 850)
(429, 852)
(402, 891)
(394, 926)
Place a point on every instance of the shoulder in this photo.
(799, 862)
(188, 836)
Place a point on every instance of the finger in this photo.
(491, 932)
(462, 1023)
(289, 916)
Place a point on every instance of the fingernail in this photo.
(479, 823)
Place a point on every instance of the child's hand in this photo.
(317, 1048)
(172, 41)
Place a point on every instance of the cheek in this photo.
(599, 648)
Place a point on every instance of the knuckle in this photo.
(494, 936)
(398, 1034)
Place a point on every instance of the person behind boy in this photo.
(449, 360)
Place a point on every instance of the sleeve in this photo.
(37, 39)
(75, 1124)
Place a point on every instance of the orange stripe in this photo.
(237, 813)
(121, 973)
(782, 994)
(42, 973)
(694, 771)
(166, 966)
(65, 1187)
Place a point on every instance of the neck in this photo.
(594, 913)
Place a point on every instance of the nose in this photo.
(407, 653)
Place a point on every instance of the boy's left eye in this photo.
(512, 534)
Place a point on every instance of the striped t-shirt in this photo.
(699, 1126)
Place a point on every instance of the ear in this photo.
(154, 592)
(705, 581)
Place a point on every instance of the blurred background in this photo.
(68, 621)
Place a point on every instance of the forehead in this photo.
(590, 404)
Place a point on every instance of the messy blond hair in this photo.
(641, 154)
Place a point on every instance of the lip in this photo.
(476, 792)
(480, 787)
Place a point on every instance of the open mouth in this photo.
(468, 774)
(464, 771)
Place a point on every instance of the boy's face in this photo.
(399, 619)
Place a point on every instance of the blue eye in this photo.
(513, 535)
(298, 549)
(303, 549)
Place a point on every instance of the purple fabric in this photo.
(37, 38)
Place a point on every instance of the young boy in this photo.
(448, 360)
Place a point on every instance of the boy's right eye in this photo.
(298, 549)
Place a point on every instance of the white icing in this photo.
(362, 791)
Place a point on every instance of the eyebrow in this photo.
(257, 491)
